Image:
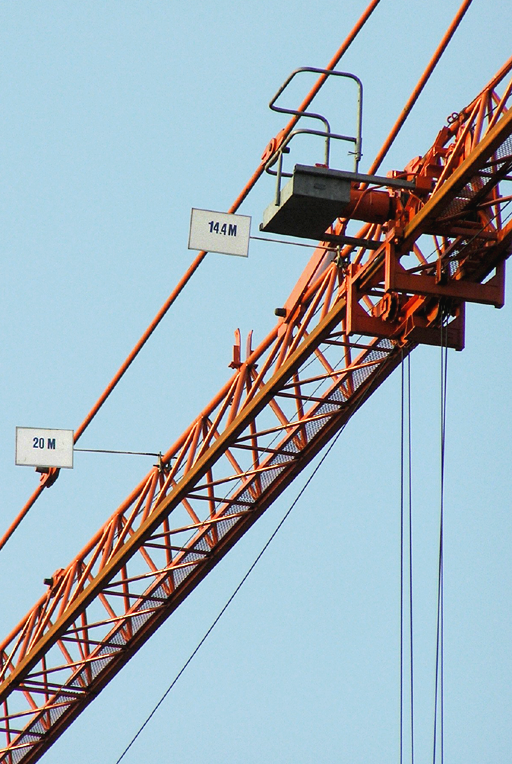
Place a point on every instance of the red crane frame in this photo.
(351, 319)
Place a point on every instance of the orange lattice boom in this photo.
(353, 316)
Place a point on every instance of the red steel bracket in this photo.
(397, 279)
(413, 326)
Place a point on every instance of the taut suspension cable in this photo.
(49, 478)
(406, 562)
(438, 741)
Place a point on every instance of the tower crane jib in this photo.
(351, 319)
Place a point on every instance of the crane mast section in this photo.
(351, 319)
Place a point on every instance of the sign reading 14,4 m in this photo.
(36, 447)
(219, 232)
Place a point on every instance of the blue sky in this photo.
(117, 118)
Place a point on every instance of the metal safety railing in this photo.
(327, 134)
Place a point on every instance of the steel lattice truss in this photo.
(349, 322)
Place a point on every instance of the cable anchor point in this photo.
(163, 467)
(342, 261)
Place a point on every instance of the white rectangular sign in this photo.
(36, 447)
(219, 232)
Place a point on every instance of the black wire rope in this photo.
(406, 434)
(438, 738)
(402, 563)
(411, 609)
(231, 598)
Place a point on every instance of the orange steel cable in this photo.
(278, 140)
(217, 450)
(48, 479)
(419, 87)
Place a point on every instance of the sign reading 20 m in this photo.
(219, 232)
(36, 447)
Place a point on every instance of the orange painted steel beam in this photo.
(276, 142)
(152, 532)
(419, 87)
(283, 403)
(468, 169)
(48, 479)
